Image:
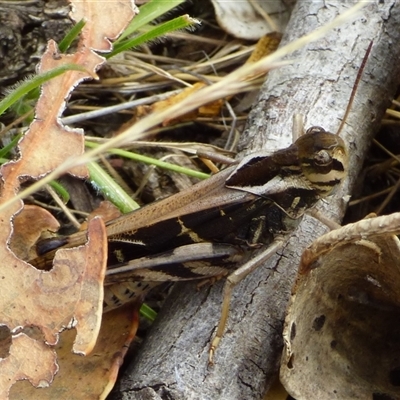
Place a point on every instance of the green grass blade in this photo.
(60, 190)
(153, 161)
(6, 149)
(178, 23)
(35, 82)
(71, 36)
(148, 13)
(148, 312)
(110, 189)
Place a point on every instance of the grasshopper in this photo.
(210, 228)
(206, 231)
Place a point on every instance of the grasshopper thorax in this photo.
(323, 159)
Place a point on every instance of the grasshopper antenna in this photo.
(353, 92)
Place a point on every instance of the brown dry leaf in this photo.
(342, 330)
(47, 144)
(29, 225)
(265, 46)
(71, 294)
(93, 376)
(28, 295)
(142, 111)
(211, 109)
(105, 20)
(28, 359)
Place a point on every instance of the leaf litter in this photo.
(71, 293)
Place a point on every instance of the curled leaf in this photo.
(342, 330)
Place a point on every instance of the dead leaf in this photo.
(251, 19)
(342, 330)
(265, 46)
(28, 294)
(105, 20)
(28, 359)
(91, 377)
(210, 109)
(71, 293)
(29, 225)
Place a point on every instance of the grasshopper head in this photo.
(323, 159)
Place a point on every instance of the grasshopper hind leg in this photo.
(232, 280)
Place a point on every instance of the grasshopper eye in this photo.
(322, 158)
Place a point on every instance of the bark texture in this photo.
(172, 363)
(25, 28)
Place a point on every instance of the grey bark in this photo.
(172, 363)
(25, 28)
